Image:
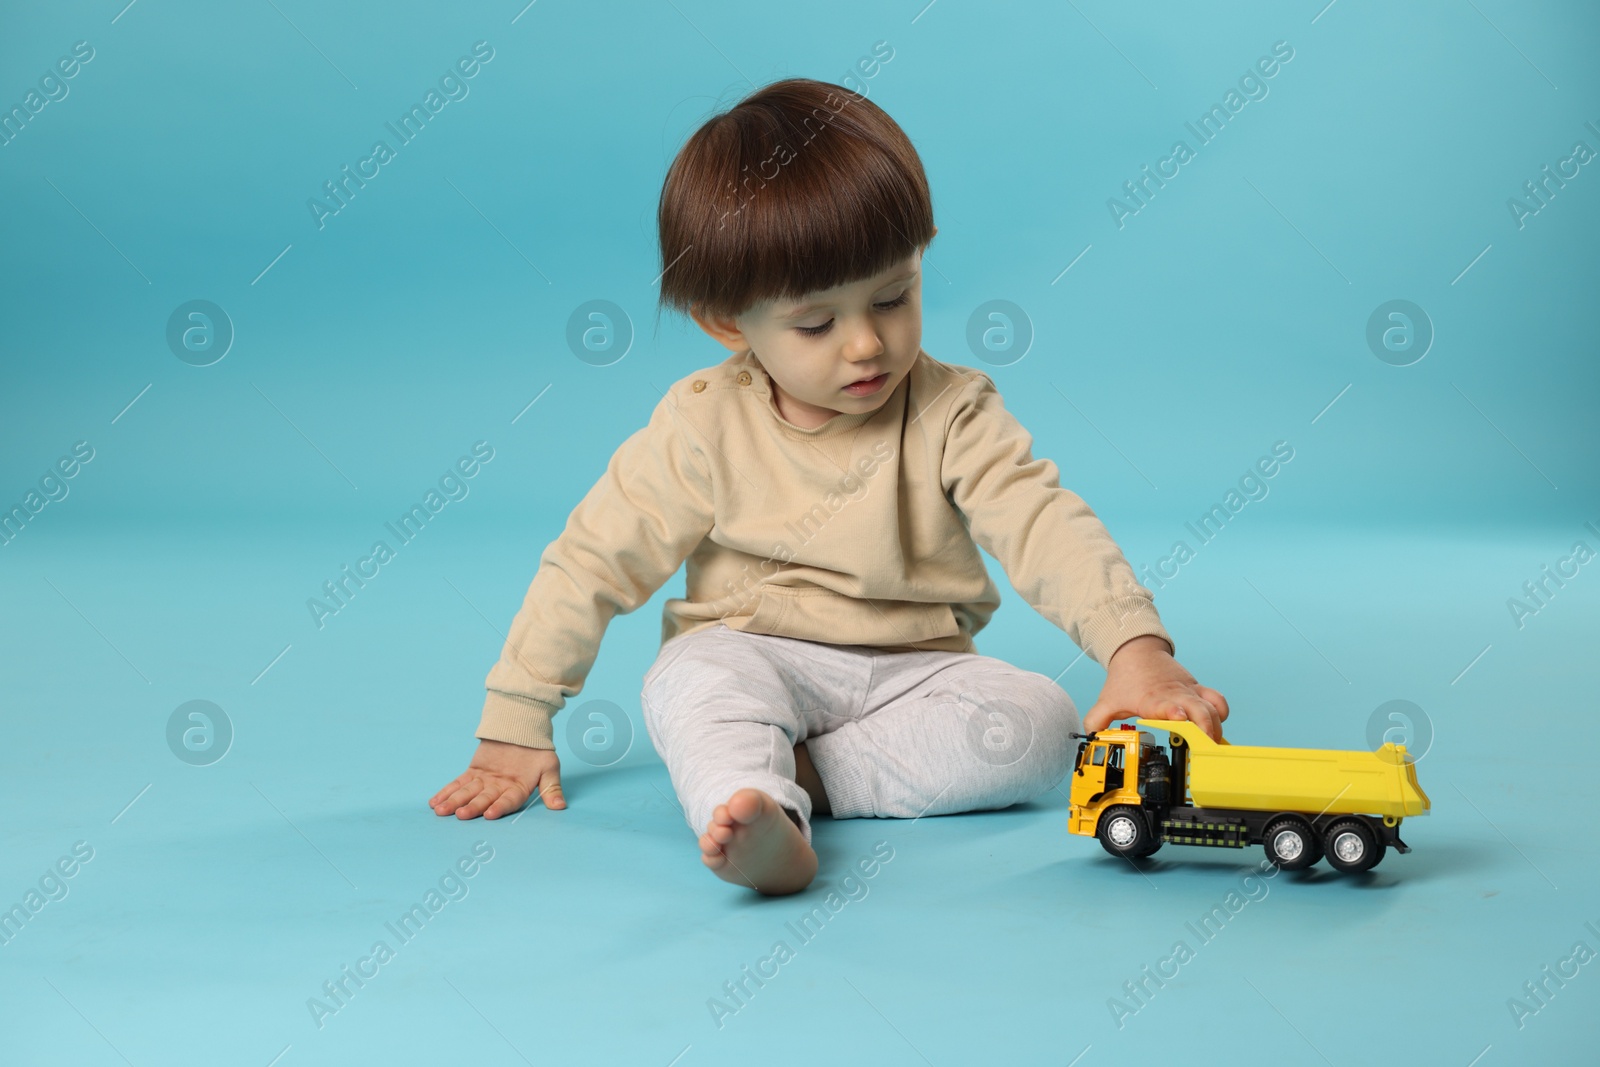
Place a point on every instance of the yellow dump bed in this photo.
(1312, 780)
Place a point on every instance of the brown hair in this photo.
(799, 187)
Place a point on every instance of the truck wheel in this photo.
(1291, 844)
(1351, 846)
(1124, 832)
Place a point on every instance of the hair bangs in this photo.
(801, 187)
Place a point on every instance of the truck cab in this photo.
(1107, 772)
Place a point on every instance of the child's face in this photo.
(814, 347)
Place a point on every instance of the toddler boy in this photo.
(828, 485)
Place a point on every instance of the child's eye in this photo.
(888, 305)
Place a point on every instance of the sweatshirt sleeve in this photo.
(626, 537)
(1056, 552)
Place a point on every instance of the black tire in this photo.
(1124, 832)
(1352, 846)
(1291, 844)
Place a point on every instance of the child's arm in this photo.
(626, 537)
(1062, 560)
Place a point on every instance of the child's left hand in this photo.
(1144, 681)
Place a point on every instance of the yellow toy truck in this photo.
(1299, 804)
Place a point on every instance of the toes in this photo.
(748, 805)
(715, 859)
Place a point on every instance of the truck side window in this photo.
(1099, 757)
(1114, 775)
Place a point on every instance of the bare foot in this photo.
(752, 841)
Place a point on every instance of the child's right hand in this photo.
(499, 781)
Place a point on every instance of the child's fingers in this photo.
(454, 784)
(1201, 710)
(488, 793)
(454, 798)
(1215, 699)
(1202, 714)
(510, 800)
(550, 790)
(1102, 715)
(1098, 717)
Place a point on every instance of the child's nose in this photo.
(865, 344)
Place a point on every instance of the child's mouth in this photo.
(867, 386)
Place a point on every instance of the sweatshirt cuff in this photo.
(516, 720)
(1118, 623)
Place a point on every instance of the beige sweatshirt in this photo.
(864, 530)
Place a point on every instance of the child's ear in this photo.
(722, 328)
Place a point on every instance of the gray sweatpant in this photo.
(892, 734)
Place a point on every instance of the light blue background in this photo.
(1228, 314)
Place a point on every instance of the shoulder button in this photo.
(699, 385)
(744, 377)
